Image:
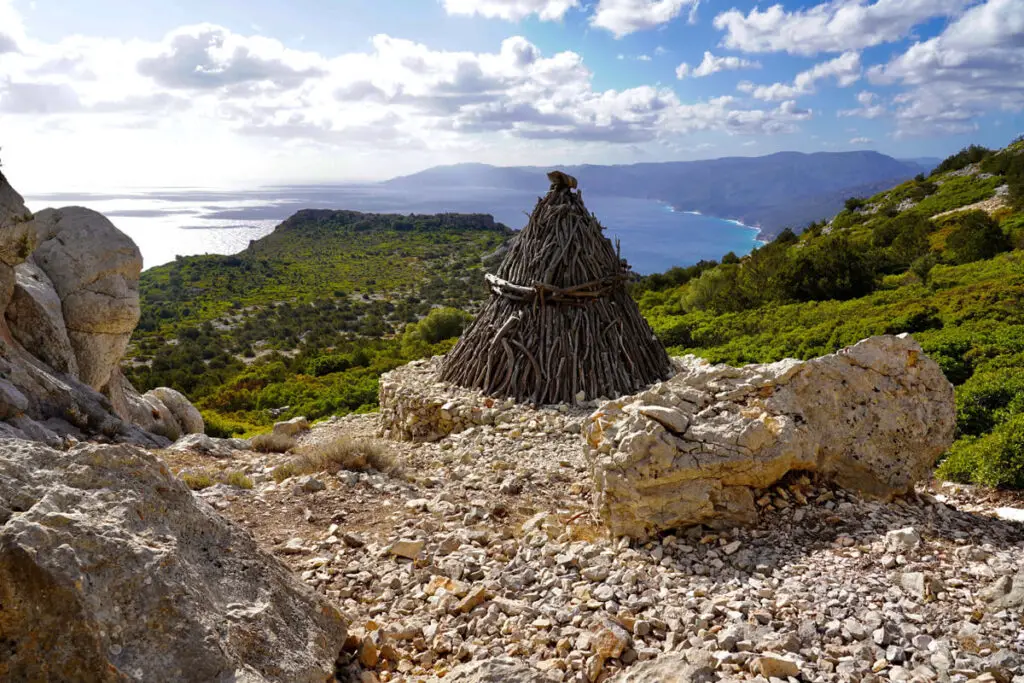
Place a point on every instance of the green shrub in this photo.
(989, 398)
(197, 481)
(996, 459)
(221, 427)
(238, 479)
(965, 157)
(442, 323)
(977, 237)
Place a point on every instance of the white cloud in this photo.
(511, 10)
(623, 17)
(975, 66)
(208, 57)
(845, 69)
(712, 64)
(211, 104)
(836, 26)
(869, 107)
(861, 141)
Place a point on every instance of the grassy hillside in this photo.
(305, 320)
(924, 257)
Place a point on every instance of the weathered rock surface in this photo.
(95, 270)
(498, 670)
(415, 406)
(693, 449)
(68, 304)
(670, 668)
(36, 319)
(111, 570)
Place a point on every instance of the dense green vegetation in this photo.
(885, 264)
(306, 319)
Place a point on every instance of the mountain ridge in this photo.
(772, 192)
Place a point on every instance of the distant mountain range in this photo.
(786, 189)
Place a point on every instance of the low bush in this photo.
(238, 479)
(270, 442)
(345, 453)
(996, 459)
(989, 398)
(197, 481)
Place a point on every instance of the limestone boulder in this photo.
(497, 670)
(872, 417)
(36, 319)
(669, 668)
(94, 268)
(162, 411)
(189, 419)
(17, 237)
(292, 427)
(111, 570)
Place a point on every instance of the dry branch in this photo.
(559, 320)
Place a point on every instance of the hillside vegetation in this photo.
(924, 257)
(306, 319)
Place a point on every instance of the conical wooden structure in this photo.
(559, 325)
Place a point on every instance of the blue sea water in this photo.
(166, 223)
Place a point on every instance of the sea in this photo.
(172, 222)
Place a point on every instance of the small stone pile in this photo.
(415, 406)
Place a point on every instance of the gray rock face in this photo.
(189, 420)
(36, 318)
(111, 570)
(694, 449)
(498, 670)
(68, 305)
(670, 668)
(95, 270)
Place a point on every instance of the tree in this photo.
(832, 268)
(787, 236)
(854, 203)
(977, 237)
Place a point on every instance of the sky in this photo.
(111, 94)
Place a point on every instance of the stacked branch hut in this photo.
(560, 326)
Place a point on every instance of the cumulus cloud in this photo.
(974, 66)
(712, 65)
(212, 91)
(208, 57)
(837, 26)
(845, 69)
(38, 98)
(12, 30)
(869, 107)
(623, 17)
(861, 141)
(511, 10)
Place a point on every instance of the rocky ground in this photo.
(485, 546)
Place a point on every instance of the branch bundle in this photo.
(559, 321)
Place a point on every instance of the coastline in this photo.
(759, 238)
